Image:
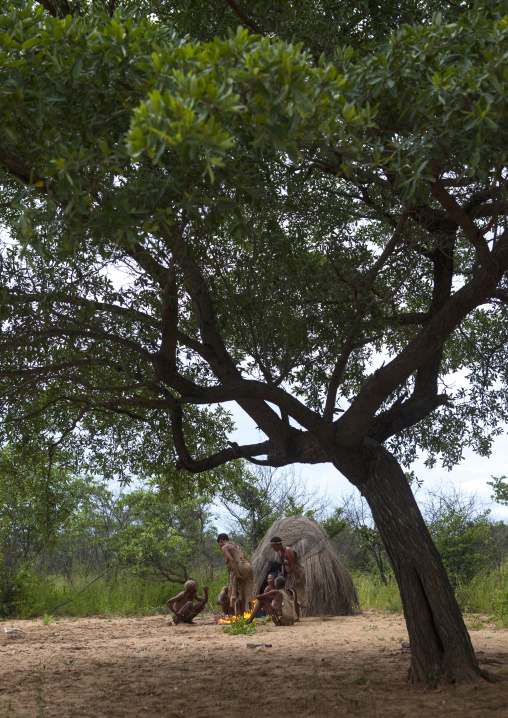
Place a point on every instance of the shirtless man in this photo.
(270, 587)
(183, 605)
(271, 601)
(224, 602)
(271, 582)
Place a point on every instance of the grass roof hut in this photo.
(330, 589)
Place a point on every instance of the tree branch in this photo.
(18, 297)
(303, 448)
(373, 272)
(22, 172)
(221, 457)
(355, 421)
(47, 5)
(365, 288)
(169, 338)
(252, 389)
(459, 216)
(220, 360)
(244, 18)
(38, 337)
(403, 415)
(501, 295)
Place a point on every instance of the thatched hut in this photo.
(330, 589)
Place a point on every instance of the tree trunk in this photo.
(440, 644)
(378, 560)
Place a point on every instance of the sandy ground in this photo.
(343, 666)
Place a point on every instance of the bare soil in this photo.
(342, 666)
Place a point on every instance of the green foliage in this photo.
(155, 537)
(256, 510)
(486, 594)
(37, 498)
(238, 626)
(468, 541)
(129, 130)
(56, 523)
(122, 594)
(334, 524)
(500, 488)
(362, 678)
(464, 543)
(359, 536)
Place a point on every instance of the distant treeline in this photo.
(58, 531)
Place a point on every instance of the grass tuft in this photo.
(238, 626)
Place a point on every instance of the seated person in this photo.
(270, 587)
(183, 605)
(224, 601)
(279, 603)
(271, 582)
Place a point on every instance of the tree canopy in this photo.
(237, 168)
(306, 216)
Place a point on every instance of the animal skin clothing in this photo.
(300, 588)
(288, 616)
(240, 590)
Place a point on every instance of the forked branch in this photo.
(218, 459)
(455, 211)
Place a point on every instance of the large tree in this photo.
(315, 232)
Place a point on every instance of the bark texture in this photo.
(440, 644)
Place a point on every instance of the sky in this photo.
(471, 475)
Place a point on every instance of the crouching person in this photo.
(224, 601)
(183, 606)
(278, 603)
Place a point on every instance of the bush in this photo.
(465, 545)
(462, 533)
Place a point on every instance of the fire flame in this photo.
(233, 619)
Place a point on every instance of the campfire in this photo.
(233, 619)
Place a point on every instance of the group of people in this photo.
(284, 597)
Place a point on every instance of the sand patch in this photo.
(342, 666)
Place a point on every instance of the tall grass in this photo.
(127, 595)
(120, 595)
(373, 593)
(486, 593)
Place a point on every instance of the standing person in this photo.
(240, 575)
(183, 606)
(292, 571)
(279, 603)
